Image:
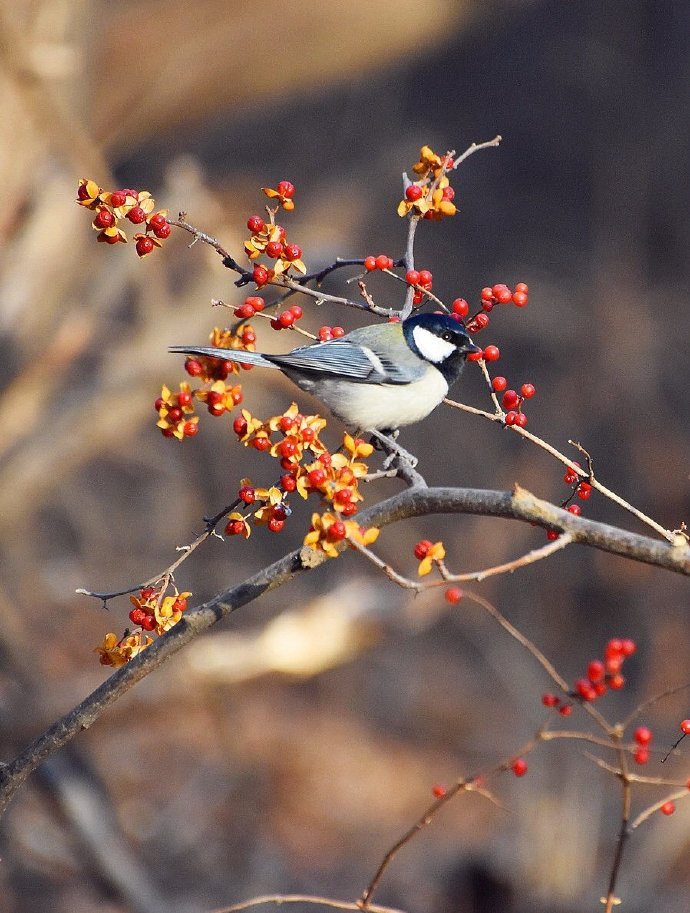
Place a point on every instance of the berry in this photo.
(239, 426)
(454, 595)
(643, 735)
(565, 710)
(438, 791)
(413, 193)
(641, 755)
(288, 482)
(292, 252)
(149, 622)
(234, 528)
(584, 688)
(175, 414)
(460, 307)
(244, 311)
(274, 249)
(136, 616)
(596, 671)
(487, 294)
(550, 700)
(584, 490)
(502, 293)
(574, 509)
(118, 198)
(417, 298)
(510, 399)
(337, 531)
(421, 549)
(296, 311)
(685, 727)
(159, 403)
(370, 264)
(492, 353)
(190, 429)
(499, 384)
(511, 417)
(382, 261)
(316, 478)
(521, 287)
(286, 189)
(552, 535)
(337, 332)
(262, 444)
(426, 278)
(275, 525)
(480, 322)
(668, 808)
(570, 477)
(260, 275)
(144, 246)
(255, 224)
(136, 215)
(247, 494)
(528, 390)
(162, 231)
(412, 277)
(109, 239)
(616, 682)
(521, 420)
(104, 219)
(519, 299)
(628, 647)
(519, 767)
(156, 220)
(286, 319)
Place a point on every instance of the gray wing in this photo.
(358, 363)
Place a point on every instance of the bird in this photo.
(378, 378)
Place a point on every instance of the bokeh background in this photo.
(288, 749)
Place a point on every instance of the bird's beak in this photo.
(471, 348)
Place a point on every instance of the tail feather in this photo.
(239, 355)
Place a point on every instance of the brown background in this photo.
(289, 760)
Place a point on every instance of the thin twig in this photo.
(279, 899)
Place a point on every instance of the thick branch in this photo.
(518, 505)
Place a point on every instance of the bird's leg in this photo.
(395, 451)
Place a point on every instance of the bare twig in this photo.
(280, 899)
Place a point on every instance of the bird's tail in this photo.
(239, 355)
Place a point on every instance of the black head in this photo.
(441, 340)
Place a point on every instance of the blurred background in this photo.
(288, 749)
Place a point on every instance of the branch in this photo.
(416, 502)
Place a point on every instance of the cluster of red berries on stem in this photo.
(513, 401)
(112, 207)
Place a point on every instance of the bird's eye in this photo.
(447, 336)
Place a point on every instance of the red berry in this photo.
(685, 727)
(288, 482)
(574, 509)
(275, 525)
(167, 432)
(412, 277)
(438, 791)
(413, 192)
(668, 808)
(260, 275)
(511, 417)
(190, 429)
(519, 299)
(528, 390)
(492, 353)
(325, 333)
(460, 307)
(565, 710)
(502, 293)
(255, 224)
(144, 246)
(499, 384)
(521, 420)
(316, 478)
(425, 278)
(286, 189)
(175, 414)
(595, 671)
(510, 399)
(286, 319)
(521, 287)
(552, 535)
(370, 264)
(261, 444)
(337, 531)
(234, 528)
(136, 616)
(480, 322)
(245, 311)
(337, 332)
(417, 298)
(641, 755)
(616, 682)
(104, 219)
(454, 595)
(643, 735)
(519, 767)
(421, 549)
(628, 647)
(487, 294)
(247, 494)
(296, 311)
(162, 231)
(136, 215)
(550, 700)
(381, 262)
(159, 403)
(274, 249)
(584, 688)
(118, 198)
(239, 426)
(584, 490)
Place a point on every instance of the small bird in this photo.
(377, 378)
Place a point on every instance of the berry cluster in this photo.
(430, 196)
(270, 240)
(430, 554)
(112, 207)
(513, 402)
(308, 468)
(602, 675)
(176, 416)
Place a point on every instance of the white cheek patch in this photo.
(432, 347)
